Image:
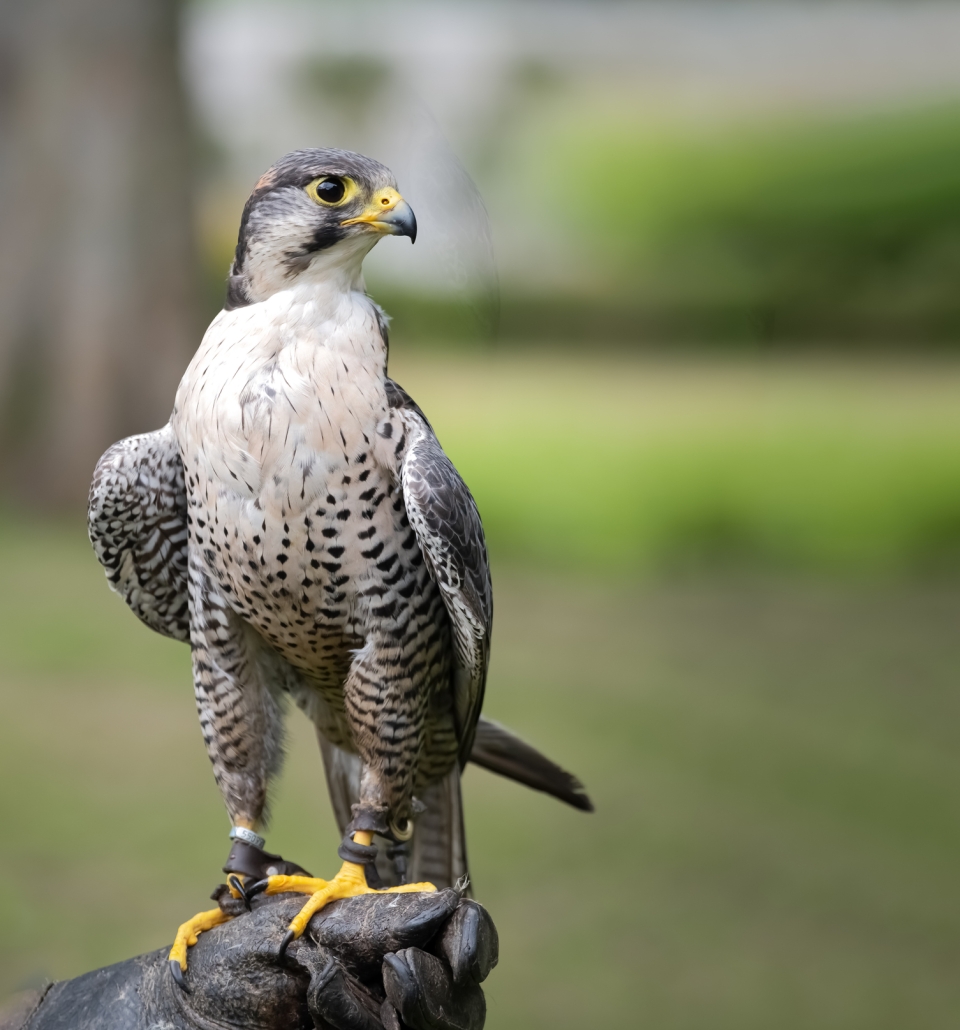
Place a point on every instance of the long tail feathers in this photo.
(497, 749)
(438, 850)
(439, 847)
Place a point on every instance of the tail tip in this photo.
(583, 802)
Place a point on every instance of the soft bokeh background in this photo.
(715, 441)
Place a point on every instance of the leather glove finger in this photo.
(337, 999)
(421, 988)
(469, 943)
(362, 930)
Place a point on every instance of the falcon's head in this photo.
(314, 216)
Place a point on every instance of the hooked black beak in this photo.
(402, 221)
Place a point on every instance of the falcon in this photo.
(299, 525)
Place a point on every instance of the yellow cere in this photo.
(380, 203)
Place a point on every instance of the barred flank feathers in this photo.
(438, 850)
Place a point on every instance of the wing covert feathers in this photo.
(447, 524)
(137, 522)
(497, 749)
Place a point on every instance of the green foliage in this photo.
(847, 227)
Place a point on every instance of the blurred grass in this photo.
(628, 464)
(773, 759)
(774, 766)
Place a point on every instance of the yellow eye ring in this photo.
(331, 190)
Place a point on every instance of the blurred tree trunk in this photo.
(97, 268)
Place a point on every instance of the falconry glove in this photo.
(375, 962)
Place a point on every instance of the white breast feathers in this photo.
(281, 394)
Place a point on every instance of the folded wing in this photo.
(137, 522)
(447, 524)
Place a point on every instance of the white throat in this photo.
(337, 270)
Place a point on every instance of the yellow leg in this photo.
(189, 931)
(350, 882)
(187, 937)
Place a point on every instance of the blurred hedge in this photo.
(844, 228)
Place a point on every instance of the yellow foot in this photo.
(187, 937)
(350, 882)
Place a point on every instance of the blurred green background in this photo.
(716, 446)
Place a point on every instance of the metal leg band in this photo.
(247, 836)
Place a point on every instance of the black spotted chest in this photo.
(316, 581)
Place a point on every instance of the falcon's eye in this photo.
(330, 189)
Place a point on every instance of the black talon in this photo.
(285, 943)
(235, 882)
(257, 888)
(177, 974)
